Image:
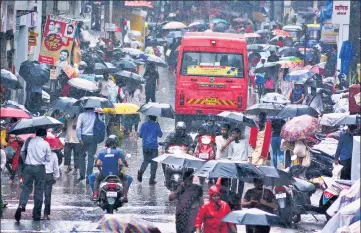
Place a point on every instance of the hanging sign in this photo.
(341, 12)
(57, 40)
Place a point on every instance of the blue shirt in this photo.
(297, 94)
(109, 158)
(85, 123)
(149, 132)
(344, 147)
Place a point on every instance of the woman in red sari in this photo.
(211, 214)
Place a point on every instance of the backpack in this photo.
(98, 129)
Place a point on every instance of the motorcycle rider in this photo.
(111, 161)
(178, 137)
(210, 127)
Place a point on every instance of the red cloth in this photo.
(267, 140)
(66, 89)
(280, 43)
(16, 145)
(212, 219)
(249, 29)
(353, 90)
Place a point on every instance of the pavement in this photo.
(73, 211)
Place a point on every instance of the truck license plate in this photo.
(211, 101)
(280, 195)
(112, 194)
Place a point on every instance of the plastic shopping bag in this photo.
(336, 171)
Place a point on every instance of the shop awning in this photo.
(139, 4)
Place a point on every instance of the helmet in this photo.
(111, 141)
(180, 125)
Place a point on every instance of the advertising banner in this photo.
(226, 71)
(329, 34)
(58, 36)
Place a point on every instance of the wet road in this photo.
(72, 210)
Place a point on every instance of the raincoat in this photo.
(346, 55)
(211, 217)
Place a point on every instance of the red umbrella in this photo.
(54, 141)
(279, 32)
(13, 112)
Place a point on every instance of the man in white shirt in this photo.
(36, 152)
(314, 100)
(52, 174)
(239, 150)
(221, 142)
(105, 85)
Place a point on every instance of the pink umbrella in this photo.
(299, 127)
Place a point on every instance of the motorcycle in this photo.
(205, 148)
(173, 174)
(110, 194)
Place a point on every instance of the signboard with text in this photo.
(341, 12)
(58, 36)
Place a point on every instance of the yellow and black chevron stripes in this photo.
(205, 102)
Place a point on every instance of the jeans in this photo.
(72, 147)
(33, 174)
(276, 150)
(148, 156)
(89, 147)
(346, 170)
(48, 187)
(34, 102)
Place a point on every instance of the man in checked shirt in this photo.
(37, 155)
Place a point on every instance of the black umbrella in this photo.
(183, 160)
(126, 64)
(27, 126)
(293, 110)
(253, 216)
(99, 68)
(221, 27)
(275, 177)
(63, 103)
(268, 108)
(128, 76)
(157, 109)
(153, 59)
(254, 55)
(93, 102)
(288, 51)
(267, 66)
(35, 73)
(237, 117)
(110, 67)
(9, 80)
(229, 169)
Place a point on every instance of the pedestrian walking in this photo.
(52, 174)
(222, 142)
(277, 154)
(151, 82)
(314, 100)
(150, 131)
(211, 214)
(105, 85)
(239, 150)
(33, 97)
(35, 154)
(85, 135)
(343, 154)
(297, 94)
(72, 144)
(190, 199)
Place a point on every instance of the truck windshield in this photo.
(228, 65)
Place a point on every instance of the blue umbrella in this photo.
(297, 75)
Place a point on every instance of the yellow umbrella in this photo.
(122, 109)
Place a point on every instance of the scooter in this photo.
(173, 174)
(206, 148)
(110, 194)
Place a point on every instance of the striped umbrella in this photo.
(121, 224)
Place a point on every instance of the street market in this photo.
(180, 116)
